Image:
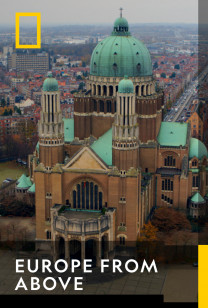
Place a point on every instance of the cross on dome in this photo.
(121, 9)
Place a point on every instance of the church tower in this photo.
(51, 125)
(125, 128)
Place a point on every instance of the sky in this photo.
(102, 11)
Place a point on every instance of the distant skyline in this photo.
(66, 12)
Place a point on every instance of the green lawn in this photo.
(11, 170)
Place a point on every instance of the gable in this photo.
(86, 159)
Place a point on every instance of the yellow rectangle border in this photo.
(38, 15)
(202, 276)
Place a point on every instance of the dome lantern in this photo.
(50, 84)
(125, 86)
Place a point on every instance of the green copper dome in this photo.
(125, 86)
(197, 149)
(50, 84)
(121, 54)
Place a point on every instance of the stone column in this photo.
(149, 89)
(140, 90)
(114, 90)
(82, 251)
(55, 250)
(106, 248)
(67, 252)
(98, 252)
(152, 89)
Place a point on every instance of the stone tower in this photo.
(125, 128)
(51, 125)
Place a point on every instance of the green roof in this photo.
(197, 198)
(103, 147)
(197, 149)
(23, 183)
(194, 170)
(68, 130)
(29, 181)
(172, 134)
(32, 188)
(50, 84)
(23, 176)
(125, 86)
(121, 54)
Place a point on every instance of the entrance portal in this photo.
(61, 248)
(75, 250)
(90, 251)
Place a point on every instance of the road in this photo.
(178, 112)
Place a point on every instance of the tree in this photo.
(81, 86)
(167, 220)
(173, 75)
(163, 75)
(3, 102)
(16, 109)
(148, 233)
(79, 77)
(177, 66)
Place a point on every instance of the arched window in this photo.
(108, 106)
(122, 240)
(48, 235)
(87, 195)
(194, 163)
(111, 90)
(94, 89)
(99, 90)
(169, 161)
(95, 105)
(104, 90)
(101, 106)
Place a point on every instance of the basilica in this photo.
(98, 177)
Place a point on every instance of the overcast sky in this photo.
(102, 11)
